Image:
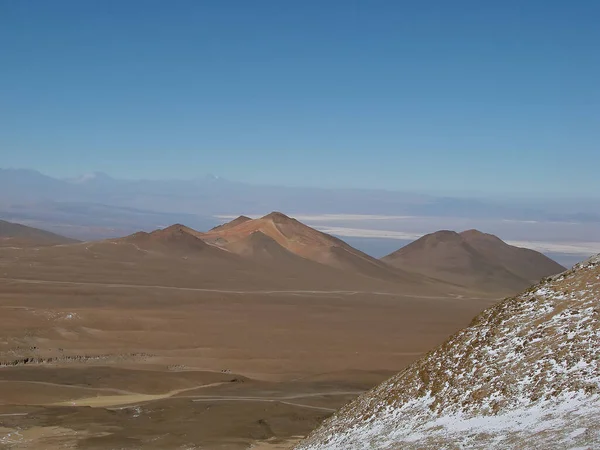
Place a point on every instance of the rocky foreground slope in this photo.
(524, 374)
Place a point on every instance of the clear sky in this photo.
(452, 96)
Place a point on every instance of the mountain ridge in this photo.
(23, 186)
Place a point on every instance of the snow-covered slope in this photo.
(524, 374)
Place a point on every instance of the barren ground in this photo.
(102, 363)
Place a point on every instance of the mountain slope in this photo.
(263, 251)
(523, 262)
(260, 247)
(17, 235)
(524, 374)
(305, 242)
(475, 260)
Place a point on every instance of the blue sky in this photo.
(437, 96)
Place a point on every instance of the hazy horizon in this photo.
(474, 194)
(377, 222)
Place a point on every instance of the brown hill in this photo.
(17, 235)
(303, 241)
(475, 260)
(176, 237)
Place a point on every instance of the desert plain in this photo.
(121, 346)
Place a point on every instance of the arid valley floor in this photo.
(159, 342)
(154, 367)
(145, 367)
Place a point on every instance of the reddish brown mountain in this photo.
(17, 235)
(474, 259)
(302, 241)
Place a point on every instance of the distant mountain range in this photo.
(443, 262)
(211, 195)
